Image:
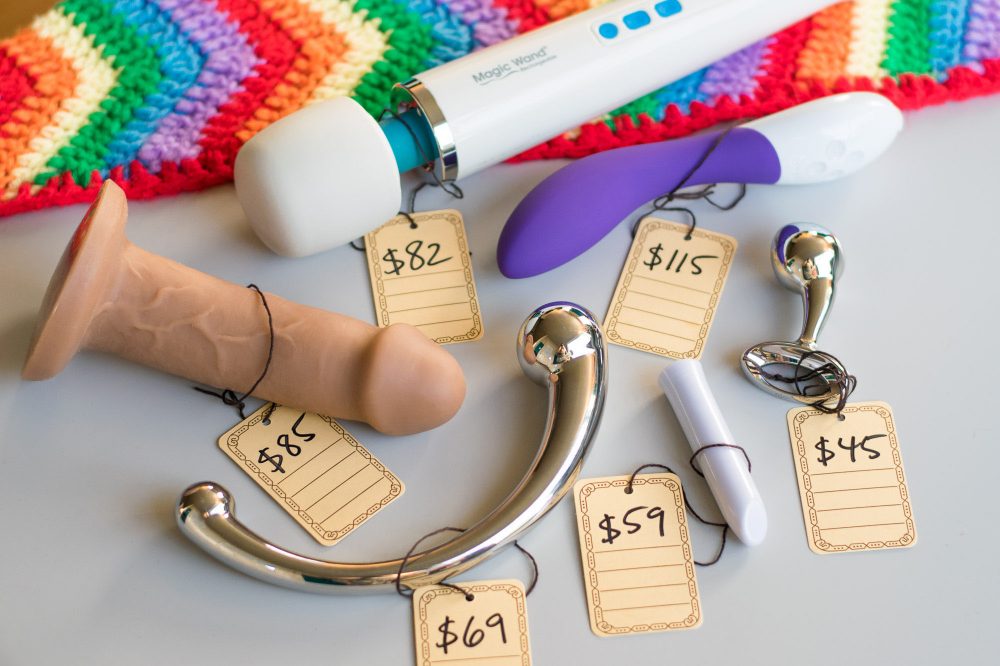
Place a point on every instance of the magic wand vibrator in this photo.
(330, 173)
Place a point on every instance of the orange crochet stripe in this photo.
(322, 46)
(558, 9)
(54, 82)
(824, 56)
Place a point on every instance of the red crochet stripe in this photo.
(277, 51)
(527, 14)
(17, 84)
(909, 93)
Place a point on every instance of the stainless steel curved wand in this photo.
(560, 345)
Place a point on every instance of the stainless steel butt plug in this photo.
(561, 347)
(806, 258)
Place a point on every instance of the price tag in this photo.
(313, 468)
(637, 563)
(491, 629)
(669, 289)
(851, 481)
(423, 276)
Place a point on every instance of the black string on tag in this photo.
(662, 202)
(845, 381)
(468, 595)
(687, 503)
(228, 396)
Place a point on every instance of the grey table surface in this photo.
(94, 571)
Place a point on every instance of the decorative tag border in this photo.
(816, 543)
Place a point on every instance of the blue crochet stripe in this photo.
(947, 30)
(452, 37)
(180, 63)
(682, 93)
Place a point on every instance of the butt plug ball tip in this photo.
(108, 295)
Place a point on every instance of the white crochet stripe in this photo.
(365, 46)
(869, 38)
(95, 79)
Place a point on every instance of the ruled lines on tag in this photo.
(638, 567)
(319, 474)
(669, 289)
(421, 275)
(490, 629)
(850, 476)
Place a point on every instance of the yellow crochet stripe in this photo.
(96, 78)
(869, 38)
(365, 46)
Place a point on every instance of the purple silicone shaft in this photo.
(568, 212)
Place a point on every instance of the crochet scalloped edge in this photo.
(908, 92)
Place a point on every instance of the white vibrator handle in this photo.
(725, 469)
(497, 102)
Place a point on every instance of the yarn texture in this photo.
(159, 95)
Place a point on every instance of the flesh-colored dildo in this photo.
(109, 295)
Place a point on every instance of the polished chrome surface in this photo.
(791, 359)
(413, 92)
(559, 346)
(807, 258)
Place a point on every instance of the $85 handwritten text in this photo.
(283, 441)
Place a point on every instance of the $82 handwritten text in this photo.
(416, 258)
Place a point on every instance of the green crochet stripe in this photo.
(138, 75)
(409, 46)
(909, 38)
(651, 105)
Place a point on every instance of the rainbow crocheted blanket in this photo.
(158, 95)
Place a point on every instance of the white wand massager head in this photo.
(318, 178)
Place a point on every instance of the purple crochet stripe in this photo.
(982, 31)
(735, 75)
(229, 59)
(489, 24)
